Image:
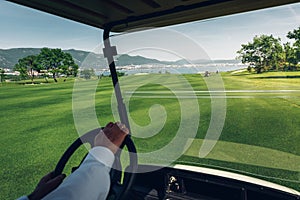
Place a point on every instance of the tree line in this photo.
(266, 53)
(49, 62)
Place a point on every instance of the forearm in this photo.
(90, 181)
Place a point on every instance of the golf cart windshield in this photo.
(193, 110)
(187, 108)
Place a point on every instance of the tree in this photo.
(263, 53)
(289, 57)
(87, 73)
(69, 67)
(26, 66)
(57, 62)
(54, 61)
(2, 75)
(295, 34)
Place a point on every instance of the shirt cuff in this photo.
(101, 154)
(23, 198)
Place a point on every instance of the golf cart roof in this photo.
(122, 15)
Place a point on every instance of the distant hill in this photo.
(135, 60)
(9, 57)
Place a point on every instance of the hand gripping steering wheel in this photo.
(117, 191)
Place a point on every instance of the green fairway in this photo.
(260, 136)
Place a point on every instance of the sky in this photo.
(218, 38)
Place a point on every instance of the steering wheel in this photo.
(117, 190)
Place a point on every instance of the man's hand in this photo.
(112, 136)
(46, 185)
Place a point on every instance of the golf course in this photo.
(259, 138)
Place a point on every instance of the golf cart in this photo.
(149, 181)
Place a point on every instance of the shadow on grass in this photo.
(240, 74)
(275, 77)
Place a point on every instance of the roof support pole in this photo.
(109, 53)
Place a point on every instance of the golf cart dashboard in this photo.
(177, 184)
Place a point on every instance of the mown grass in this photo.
(260, 131)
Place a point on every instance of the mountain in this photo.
(135, 60)
(9, 57)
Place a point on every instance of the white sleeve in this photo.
(23, 198)
(90, 181)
